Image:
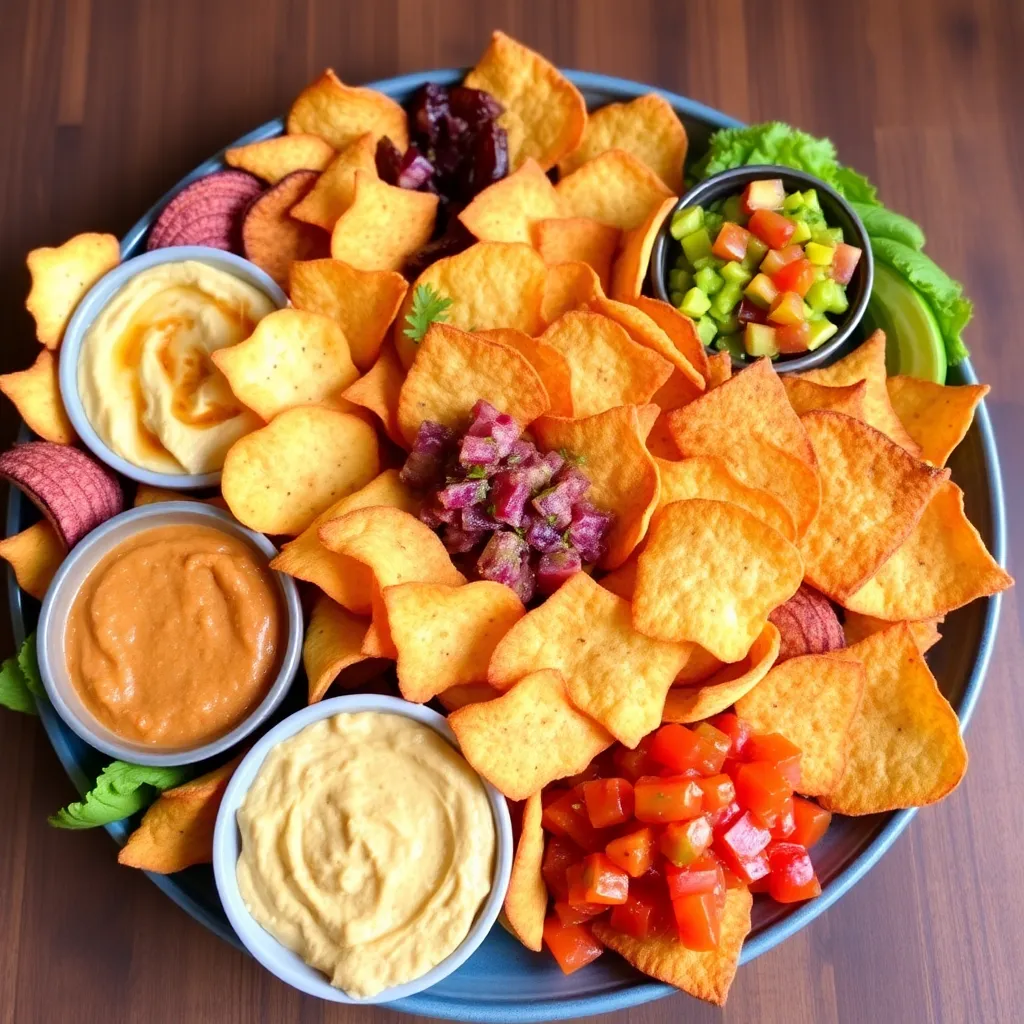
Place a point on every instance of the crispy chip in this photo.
(681, 330)
(612, 673)
(613, 188)
(905, 748)
(623, 475)
(943, 564)
(35, 393)
(146, 494)
(719, 369)
(364, 303)
(472, 693)
(292, 358)
(507, 210)
(445, 635)
(622, 581)
(526, 900)
(774, 455)
(549, 112)
(550, 364)
(568, 286)
(332, 643)
(340, 113)
(873, 493)
(706, 975)
(806, 396)
(335, 189)
(811, 700)
(280, 478)
(501, 738)
(491, 285)
(701, 665)
(35, 555)
(857, 627)
(936, 416)
(631, 264)
(660, 442)
(274, 159)
(453, 369)
(378, 390)
(578, 240)
(62, 276)
(383, 226)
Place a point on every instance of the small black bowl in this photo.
(837, 212)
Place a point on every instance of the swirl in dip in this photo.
(145, 377)
(368, 848)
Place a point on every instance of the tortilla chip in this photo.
(35, 555)
(681, 330)
(873, 493)
(146, 494)
(274, 159)
(612, 673)
(332, 643)
(445, 635)
(453, 369)
(660, 442)
(340, 113)
(550, 364)
(765, 445)
(491, 285)
(706, 975)
(936, 416)
(857, 627)
(526, 900)
(568, 286)
(383, 226)
(280, 478)
(806, 396)
(719, 369)
(943, 564)
(578, 240)
(35, 393)
(549, 114)
(364, 303)
(634, 259)
(335, 189)
(905, 748)
(472, 693)
(507, 210)
(62, 276)
(812, 701)
(378, 390)
(528, 737)
(623, 475)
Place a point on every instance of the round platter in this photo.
(503, 981)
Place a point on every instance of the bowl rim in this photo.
(272, 954)
(96, 299)
(51, 630)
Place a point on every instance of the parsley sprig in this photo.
(428, 306)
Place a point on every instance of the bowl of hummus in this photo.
(136, 373)
(357, 854)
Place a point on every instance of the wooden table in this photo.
(104, 105)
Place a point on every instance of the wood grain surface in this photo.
(104, 104)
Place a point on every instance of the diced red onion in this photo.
(501, 558)
(476, 517)
(425, 463)
(588, 529)
(509, 494)
(572, 481)
(483, 416)
(478, 451)
(505, 431)
(462, 493)
(543, 537)
(555, 568)
(458, 541)
(555, 505)
(526, 583)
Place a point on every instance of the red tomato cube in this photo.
(636, 916)
(811, 822)
(608, 801)
(735, 728)
(698, 920)
(797, 276)
(844, 262)
(719, 791)
(741, 846)
(661, 800)
(560, 853)
(776, 749)
(572, 946)
(631, 764)
(567, 816)
(577, 913)
(731, 243)
(603, 881)
(633, 852)
(775, 260)
(792, 876)
(785, 824)
(679, 748)
(762, 789)
(772, 228)
(793, 338)
(682, 842)
(705, 874)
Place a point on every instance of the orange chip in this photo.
(472, 693)
(719, 369)
(335, 189)
(806, 396)
(35, 393)
(568, 286)
(550, 364)
(332, 643)
(631, 264)
(35, 555)
(501, 738)
(681, 330)
(453, 369)
(578, 240)
(936, 416)
(526, 900)
(378, 390)
(857, 627)
(274, 159)
(340, 113)
(660, 442)
(548, 111)
(507, 210)
(623, 475)
(383, 226)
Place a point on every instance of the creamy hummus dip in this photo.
(368, 848)
(145, 377)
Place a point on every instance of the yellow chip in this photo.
(719, 369)
(578, 240)
(528, 737)
(550, 364)
(383, 226)
(701, 666)
(905, 748)
(472, 693)
(145, 494)
(943, 564)
(812, 701)
(340, 113)
(526, 900)
(936, 416)
(507, 210)
(62, 276)
(873, 493)
(806, 396)
(332, 643)
(453, 369)
(681, 330)
(647, 127)
(292, 358)
(568, 286)
(35, 555)
(613, 188)
(614, 674)
(634, 259)
(549, 113)
(857, 627)
(363, 303)
(335, 189)
(35, 393)
(622, 473)
(706, 975)
(280, 478)
(491, 285)
(274, 159)
(378, 390)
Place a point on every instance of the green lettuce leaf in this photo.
(855, 187)
(19, 679)
(882, 223)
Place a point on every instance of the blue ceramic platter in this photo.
(503, 981)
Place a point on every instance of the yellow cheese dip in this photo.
(368, 848)
(145, 377)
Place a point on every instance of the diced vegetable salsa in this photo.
(762, 273)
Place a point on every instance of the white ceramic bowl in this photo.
(280, 960)
(94, 303)
(61, 594)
